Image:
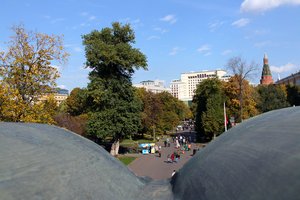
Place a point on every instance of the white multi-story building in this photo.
(156, 86)
(184, 89)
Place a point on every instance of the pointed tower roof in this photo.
(266, 76)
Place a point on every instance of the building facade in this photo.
(156, 86)
(184, 89)
(293, 79)
(59, 95)
(266, 75)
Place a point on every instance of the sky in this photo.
(176, 36)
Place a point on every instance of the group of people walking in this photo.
(182, 144)
(174, 157)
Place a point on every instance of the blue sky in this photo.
(176, 35)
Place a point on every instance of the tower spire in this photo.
(266, 60)
(266, 76)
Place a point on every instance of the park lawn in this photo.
(130, 143)
(126, 160)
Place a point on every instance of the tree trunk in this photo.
(114, 151)
(154, 137)
(241, 100)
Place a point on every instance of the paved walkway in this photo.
(157, 167)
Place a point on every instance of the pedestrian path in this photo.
(156, 167)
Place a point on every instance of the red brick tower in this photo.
(266, 76)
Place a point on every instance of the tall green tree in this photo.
(27, 73)
(115, 110)
(209, 99)
(271, 97)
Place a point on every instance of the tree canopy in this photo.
(293, 94)
(76, 103)
(110, 52)
(209, 99)
(242, 71)
(231, 91)
(271, 97)
(115, 110)
(27, 73)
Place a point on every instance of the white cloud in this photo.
(85, 24)
(92, 18)
(169, 18)
(47, 16)
(153, 37)
(84, 13)
(136, 23)
(226, 52)
(241, 22)
(62, 86)
(204, 49)
(207, 54)
(53, 20)
(262, 44)
(262, 5)
(161, 30)
(260, 32)
(289, 67)
(215, 25)
(174, 51)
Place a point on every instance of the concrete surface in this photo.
(156, 167)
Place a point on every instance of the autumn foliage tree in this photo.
(173, 111)
(151, 110)
(27, 73)
(231, 91)
(242, 70)
(76, 103)
(73, 112)
(161, 112)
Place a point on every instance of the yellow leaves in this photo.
(11, 103)
(26, 72)
(14, 108)
(38, 113)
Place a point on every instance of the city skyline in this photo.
(177, 36)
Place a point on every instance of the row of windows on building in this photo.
(183, 88)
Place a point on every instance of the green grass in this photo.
(126, 160)
(130, 143)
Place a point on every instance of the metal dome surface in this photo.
(258, 159)
(39, 161)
